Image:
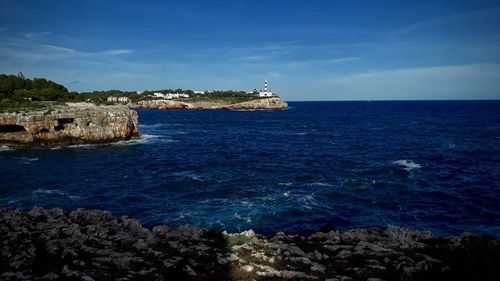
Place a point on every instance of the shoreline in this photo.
(93, 245)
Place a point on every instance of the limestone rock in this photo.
(73, 123)
(257, 104)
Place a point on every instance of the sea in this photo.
(427, 165)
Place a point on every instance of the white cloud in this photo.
(118, 52)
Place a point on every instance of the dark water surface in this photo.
(426, 165)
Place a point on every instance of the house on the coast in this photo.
(266, 92)
(169, 96)
(118, 99)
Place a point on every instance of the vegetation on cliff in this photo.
(18, 93)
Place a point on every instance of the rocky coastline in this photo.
(272, 103)
(71, 123)
(93, 245)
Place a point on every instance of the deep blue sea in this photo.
(431, 165)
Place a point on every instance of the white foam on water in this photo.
(26, 160)
(285, 183)
(214, 200)
(408, 164)
(452, 146)
(158, 125)
(286, 194)
(239, 217)
(190, 175)
(143, 139)
(308, 201)
(53, 192)
(6, 148)
(82, 145)
(319, 183)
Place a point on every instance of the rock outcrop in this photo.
(266, 103)
(92, 245)
(271, 103)
(69, 124)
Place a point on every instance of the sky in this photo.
(307, 50)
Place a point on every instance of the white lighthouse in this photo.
(266, 92)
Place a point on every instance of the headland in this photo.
(69, 123)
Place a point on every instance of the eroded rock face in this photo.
(71, 124)
(269, 103)
(257, 104)
(93, 245)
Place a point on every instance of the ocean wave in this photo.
(190, 175)
(407, 164)
(27, 160)
(143, 139)
(53, 192)
(158, 125)
(285, 183)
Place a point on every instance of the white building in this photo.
(169, 96)
(118, 99)
(199, 92)
(266, 92)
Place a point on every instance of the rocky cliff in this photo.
(257, 104)
(69, 124)
(92, 245)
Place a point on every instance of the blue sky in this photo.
(308, 50)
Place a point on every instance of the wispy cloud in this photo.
(31, 46)
(491, 70)
(467, 81)
(36, 35)
(457, 18)
(325, 61)
(117, 52)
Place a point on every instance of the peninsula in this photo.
(41, 112)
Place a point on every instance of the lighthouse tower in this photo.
(266, 92)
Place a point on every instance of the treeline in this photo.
(18, 92)
(207, 94)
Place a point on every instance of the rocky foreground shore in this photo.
(257, 104)
(92, 245)
(72, 123)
